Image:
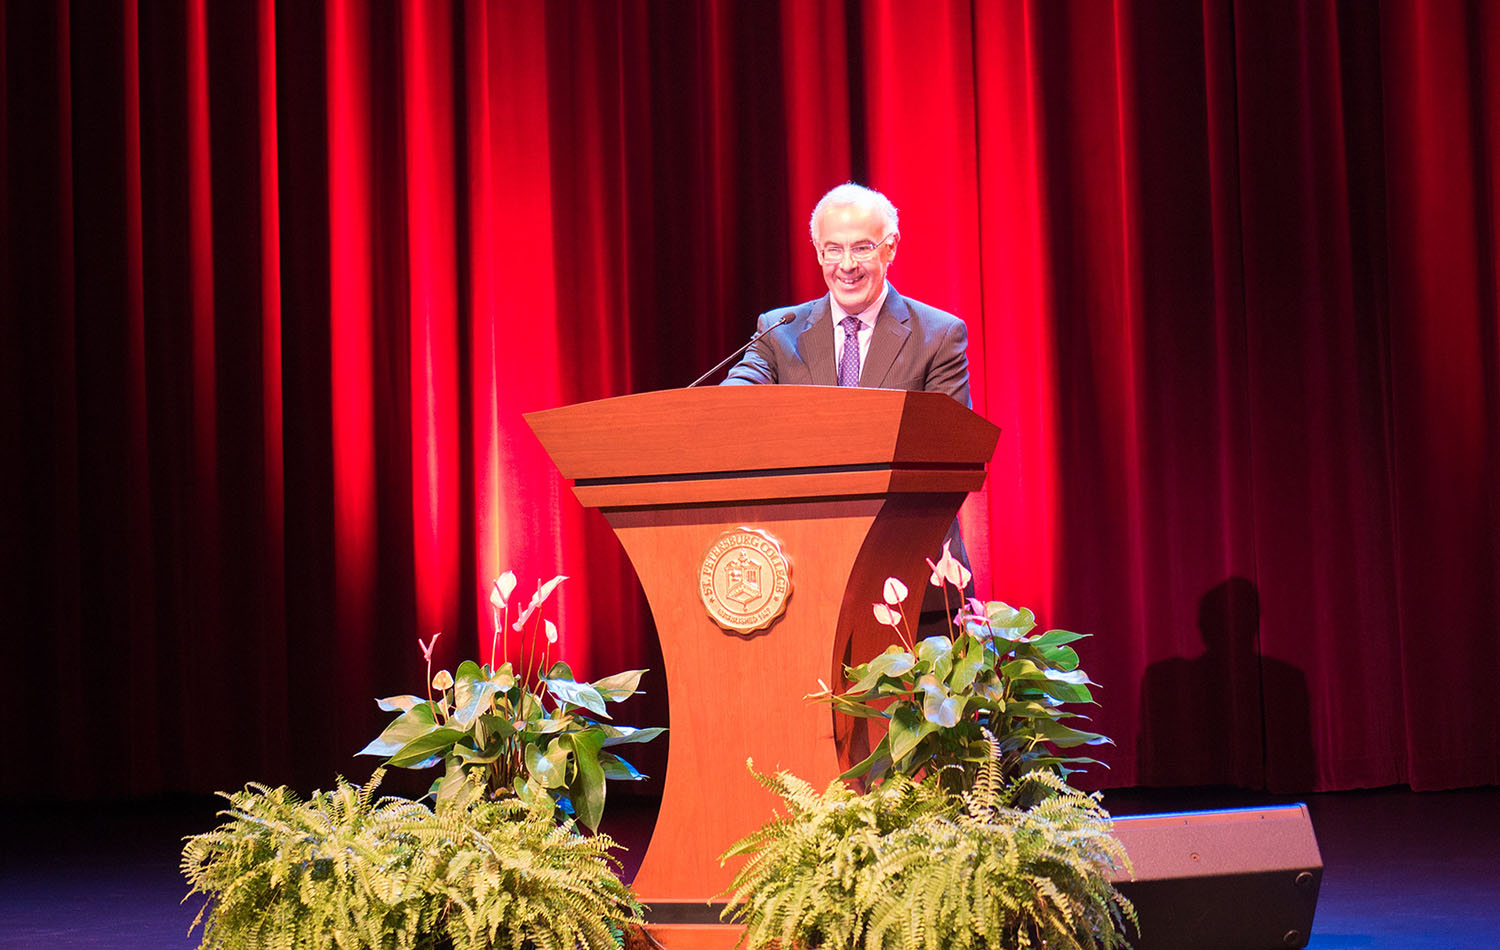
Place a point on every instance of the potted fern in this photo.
(346, 868)
(968, 835)
(497, 860)
(912, 864)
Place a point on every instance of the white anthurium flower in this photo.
(887, 616)
(964, 576)
(442, 680)
(542, 593)
(551, 629)
(505, 585)
(948, 570)
(895, 591)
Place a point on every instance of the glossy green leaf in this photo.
(409, 725)
(621, 686)
(492, 752)
(466, 678)
(398, 703)
(453, 785)
(855, 708)
(577, 694)
(967, 664)
(437, 740)
(1031, 709)
(587, 787)
(1071, 677)
(1068, 692)
(473, 697)
(560, 671)
(529, 789)
(549, 766)
(1058, 638)
(529, 706)
(934, 649)
(938, 707)
(1022, 670)
(619, 735)
(988, 685)
(497, 727)
(943, 712)
(1065, 737)
(549, 726)
(893, 662)
(1010, 623)
(908, 727)
(1063, 658)
(618, 769)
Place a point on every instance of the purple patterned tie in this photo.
(849, 360)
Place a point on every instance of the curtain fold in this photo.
(280, 281)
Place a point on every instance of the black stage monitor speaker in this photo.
(1240, 879)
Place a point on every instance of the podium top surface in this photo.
(759, 428)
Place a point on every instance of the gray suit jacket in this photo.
(914, 347)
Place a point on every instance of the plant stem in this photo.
(495, 612)
(531, 657)
(430, 704)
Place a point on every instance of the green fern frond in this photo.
(911, 866)
(348, 869)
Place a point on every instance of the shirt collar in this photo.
(868, 315)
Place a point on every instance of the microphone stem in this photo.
(730, 358)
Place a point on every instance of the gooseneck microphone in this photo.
(788, 317)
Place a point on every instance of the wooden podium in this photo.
(854, 485)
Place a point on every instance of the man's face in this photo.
(855, 284)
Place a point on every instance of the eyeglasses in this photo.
(861, 252)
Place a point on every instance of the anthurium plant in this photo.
(526, 725)
(940, 694)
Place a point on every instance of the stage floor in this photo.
(1402, 870)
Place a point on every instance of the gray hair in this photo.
(849, 194)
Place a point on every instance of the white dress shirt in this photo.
(866, 330)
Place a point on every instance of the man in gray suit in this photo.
(862, 333)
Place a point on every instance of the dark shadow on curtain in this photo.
(1230, 715)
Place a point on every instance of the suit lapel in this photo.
(887, 338)
(815, 344)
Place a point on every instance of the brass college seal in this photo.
(745, 580)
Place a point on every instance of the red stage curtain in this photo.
(279, 281)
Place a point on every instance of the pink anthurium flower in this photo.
(427, 647)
